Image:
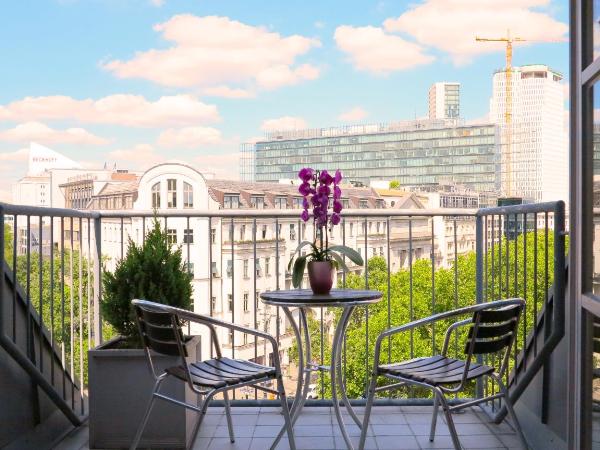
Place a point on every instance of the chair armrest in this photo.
(205, 320)
(449, 331)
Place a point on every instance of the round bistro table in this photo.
(348, 299)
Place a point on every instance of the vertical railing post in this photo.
(479, 259)
(2, 288)
(97, 280)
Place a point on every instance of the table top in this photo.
(306, 297)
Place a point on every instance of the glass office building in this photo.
(416, 153)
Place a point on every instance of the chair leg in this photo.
(367, 416)
(228, 414)
(142, 425)
(511, 413)
(201, 415)
(448, 414)
(434, 418)
(289, 426)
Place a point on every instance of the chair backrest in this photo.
(493, 330)
(160, 330)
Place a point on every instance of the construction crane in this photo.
(507, 102)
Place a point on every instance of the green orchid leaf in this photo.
(349, 252)
(298, 273)
(339, 261)
(301, 245)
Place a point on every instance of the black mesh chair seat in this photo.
(219, 372)
(435, 370)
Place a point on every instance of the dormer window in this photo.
(231, 201)
(363, 204)
(171, 193)
(188, 195)
(297, 202)
(281, 202)
(257, 202)
(156, 196)
(380, 203)
(345, 203)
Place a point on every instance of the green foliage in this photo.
(417, 292)
(153, 271)
(394, 184)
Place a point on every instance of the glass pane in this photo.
(591, 364)
(596, 194)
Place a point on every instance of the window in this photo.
(281, 202)
(213, 269)
(231, 201)
(171, 193)
(188, 236)
(292, 232)
(257, 300)
(267, 264)
(245, 268)
(351, 229)
(297, 202)
(230, 334)
(257, 201)
(264, 232)
(190, 268)
(246, 337)
(246, 307)
(156, 196)
(242, 232)
(229, 268)
(213, 235)
(172, 236)
(213, 304)
(345, 203)
(258, 268)
(188, 195)
(363, 204)
(230, 302)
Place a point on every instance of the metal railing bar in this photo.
(41, 291)
(51, 297)
(80, 279)
(366, 380)
(71, 319)
(14, 277)
(62, 303)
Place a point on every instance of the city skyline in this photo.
(122, 94)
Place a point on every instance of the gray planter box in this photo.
(120, 384)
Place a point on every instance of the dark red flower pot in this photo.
(320, 275)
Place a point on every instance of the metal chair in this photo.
(492, 330)
(160, 328)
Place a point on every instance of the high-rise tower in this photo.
(444, 100)
(538, 139)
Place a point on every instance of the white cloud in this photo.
(220, 165)
(189, 137)
(373, 50)
(16, 156)
(39, 132)
(452, 25)
(142, 156)
(157, 3)
(213, 51)
(227, 92)
(355, 114)
(284, 123)
(119, 109)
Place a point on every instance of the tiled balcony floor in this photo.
(392, 427)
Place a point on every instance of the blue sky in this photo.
(86, 78)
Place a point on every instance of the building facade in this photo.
(444, 100)
(534, 145)
(416, 153)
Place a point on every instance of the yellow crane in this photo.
(507, 103)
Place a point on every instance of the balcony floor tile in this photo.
(392, 427)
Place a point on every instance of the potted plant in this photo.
(318, 188)
(119, 378)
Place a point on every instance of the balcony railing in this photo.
(53, 259)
